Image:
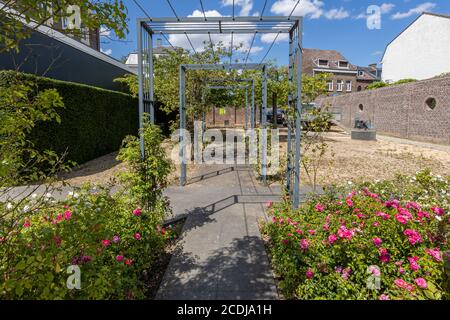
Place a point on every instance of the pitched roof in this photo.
(368, 73)
(311, 56)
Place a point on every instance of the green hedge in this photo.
(93, 122)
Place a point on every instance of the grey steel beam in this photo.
(298, 116)
(140, 90)
(223, 19)
(182, 125)
(151, 79)
(264, 127)
(289, 123)
(234, 66)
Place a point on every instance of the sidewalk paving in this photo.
(221, 254)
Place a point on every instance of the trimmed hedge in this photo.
(93, 122)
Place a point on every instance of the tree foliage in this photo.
(111, 14)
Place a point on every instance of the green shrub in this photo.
(93, 122)
(113, 238)
(403, 81)
(376, 85)
(339, 245)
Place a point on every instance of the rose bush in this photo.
(113, 237)
(383, 240)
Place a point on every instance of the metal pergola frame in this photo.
(226, 67)
(292, 25)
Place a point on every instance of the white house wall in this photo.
(420, 52)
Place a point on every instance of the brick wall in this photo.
(232, 117)
(401, 110)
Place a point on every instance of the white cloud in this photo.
(198, 40)
(107, 51)
(246, 5)
(104, 32)
(308, 8)
(417, 10)
(387, 7)
(337, 14)
(269, 37)
(377, 53)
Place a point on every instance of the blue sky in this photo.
(329, 24)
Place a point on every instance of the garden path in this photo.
(221, 254)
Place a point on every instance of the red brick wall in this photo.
(235, 117)
(401, 110)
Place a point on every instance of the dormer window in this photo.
(343, 64)
(360, 73)
(323, 63)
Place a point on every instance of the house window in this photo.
(349, 86)
(359, 88)
(340, 85)
(360, 73)
(323, 63)
(330, 85)
(343, 64)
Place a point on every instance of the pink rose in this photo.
(413, 263)
(27, 223)
(304, 244)
(119, 257)
(343, 232)
(312, 232)
(137, 236)
(401, 219)
(332, 238)
(269, 204)
(67, 214)
(137, 212)
(377, 241)
(413, 236)
(421, 282)
(116, 239)
(349, 202)
(309, 274)
(383, 215)
(435, 253)
(319, 207)
(106, 242)
(383, 297)
(384, 255)
(438, 211)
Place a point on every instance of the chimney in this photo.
(373, 66)
(158, 42)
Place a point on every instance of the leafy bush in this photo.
(20, 111)
(145, 179)
(93, 122)
(113, 239)
(402, 81)
(384, 240)
(376, 85)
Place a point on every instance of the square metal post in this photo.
(289, 123)
(246, 108)
(182, 125)
(298, 114)
(151, 77)
(264, 126)
(140, 90)
(252, 116)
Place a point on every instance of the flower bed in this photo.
(112, 244)
(384, 240)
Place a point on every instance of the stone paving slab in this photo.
(221, 254)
